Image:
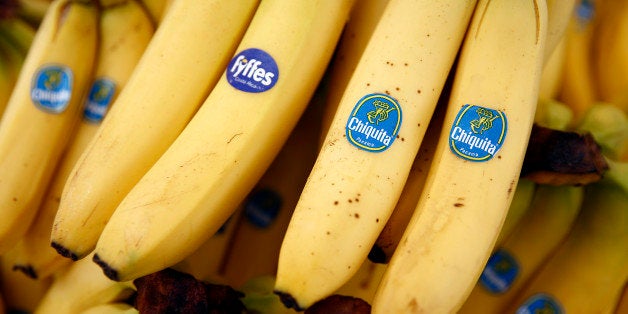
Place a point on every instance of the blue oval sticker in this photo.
(262, 207)
(500, 271)
(253, 71)
(374, 122)
(477, 133)
(51, 88)
(99, 99)
(540, 303)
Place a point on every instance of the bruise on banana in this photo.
(562, 158)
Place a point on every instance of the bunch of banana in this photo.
(372, 140)
(44, 106)
(125, 31)
(155, 105)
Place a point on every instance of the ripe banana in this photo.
(367, 153)
(356, 34)
(586, 274)
(268, 207)
(609, 126)
(578, 89)
(559, 13)
(81, 286)
(183, 61)
(519, 206)
(21, 294)
(552, 75)
(157, 9)
(229, 143)
(536, 237)
(364, 282)
(472, 179)
(125, 31)
(622, 303)
(42, 111)
(609, 50)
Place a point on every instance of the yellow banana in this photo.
(369, 148)
(183, 61)
(125, 31)
(364, 282)
(18, 32)
(577, 88)
(224, 150)
(81, 286)
(33, 11)
(622, 303)
(610, 53)
(21, 294)
(477, 162)
(362, 21)
(609, 127)
(536, 237)
(559, 12)
(587, 272)
(552, 75)
(42, 111)
(157, 9)
(268, 207)
(111, 308)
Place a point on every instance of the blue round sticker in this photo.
(500, 271)
(262, 207)
(374, 122)
(51, 88)
(477, 133)
(253, 71)
(99, 99)
(540, 303)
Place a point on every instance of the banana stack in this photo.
(316, 156)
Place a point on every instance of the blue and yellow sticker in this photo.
(252, 70)
(374, 122)
(99, 99)
(262, 207)
(500, 272)
(540, 303)
(477, 133)
(51, 88)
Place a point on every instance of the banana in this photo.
(21, 294)
(230, 142)
(125, 31)
(388, 238)
(559, 13)
(519, 206)
(268, 207)
(42, 111)
(578, 87)
(552, 75)
(9, 70)
(609, 126)
(18, 32)
(536, 237)
(609, 54)
(367, 153)
(586, 274)
(356, 34)
(467, 193)
(81, 286)
(33, 11)
(183, 61)
(622, 303)
(157, 9)
(111, 308)
(364, 282)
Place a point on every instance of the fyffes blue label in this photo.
(51, 88)
(540, 303)
(253, 71)
(374, 122)
(99, 99)
(500, 271)
(262, 207)
(477, 133)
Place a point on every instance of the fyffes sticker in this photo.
(262, 207)
(477, 133)
(253, 71)
(51, 88)
(99, 99)
(499, 273)
(374, 122)
(540, 303)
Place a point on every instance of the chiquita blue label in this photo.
(99, 99)
(252, 70)
(500, 271)
(374, 122)
(477, 133)
(262, 207)
(51, 88)
(540, 303)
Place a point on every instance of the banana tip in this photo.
(288, 301)
(109, 272)
(27, 269)
(63, 251)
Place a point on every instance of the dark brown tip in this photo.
(340, 304)
(28, 270)
(377, 255)
(64, 251)
(288, 301)
(109, 272)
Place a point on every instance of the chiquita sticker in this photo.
(253, 71)
(500, 272)
(99, 99)
(374, 122)
(51, 88)
(477, 133)
(540, 303)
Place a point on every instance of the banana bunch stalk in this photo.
(476, 163)
(42, 111)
